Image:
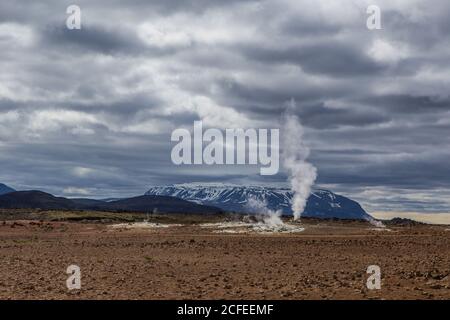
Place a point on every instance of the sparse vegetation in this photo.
(107, 217)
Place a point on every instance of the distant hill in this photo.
(321, 203)
(148, 203)
(34, 200)
(4, 189)
(403, 222)
(84, 202)
(40, 200)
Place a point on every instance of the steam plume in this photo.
(270, 217)
(301, 173)
(376, 223)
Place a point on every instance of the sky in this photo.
(90, 112)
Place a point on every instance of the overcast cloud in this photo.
(89, 112)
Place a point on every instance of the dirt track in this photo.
(326, 261)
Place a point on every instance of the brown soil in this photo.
(326, 261)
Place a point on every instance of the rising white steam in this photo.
(302, 174)
(376, 223)
(269, 217)
(269, 221)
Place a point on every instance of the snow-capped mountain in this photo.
(321, 203)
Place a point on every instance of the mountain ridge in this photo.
(196, 198)
(321, 203)
(4, 189)
(35, 199)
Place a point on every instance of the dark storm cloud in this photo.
(89, 112)
(421, 33)
(25, 11)
(93, 38)
(101, 40)
(126, 106)
(302, 27)
(172, 6)
(333, 58)
(320, 116)
(410, 104)
(427, 172)
(8, 104)
(270, 99)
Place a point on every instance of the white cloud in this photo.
(82, 172)
(13, 34)
(53, 120)
(73, 191)
(384, 51)
(151, 126)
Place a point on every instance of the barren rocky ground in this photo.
(326, 261)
